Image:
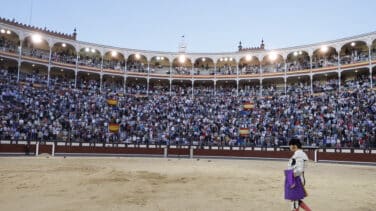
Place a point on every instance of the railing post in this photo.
(316, 155)
(37, 149)
(53, 149)
(165, 152)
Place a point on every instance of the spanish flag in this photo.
(248, 105)
(112, 102)
(113, 127)
(244, 131)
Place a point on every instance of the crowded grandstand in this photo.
(55, 88)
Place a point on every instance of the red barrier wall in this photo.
(109, 150)
(243, 153)
(332, 156)
(357, 157)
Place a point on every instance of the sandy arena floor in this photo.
(40, 183)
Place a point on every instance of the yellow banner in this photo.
(248, 106)
(113, 127)
(244, 131)
(112, 102)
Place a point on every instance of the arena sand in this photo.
(102, 183)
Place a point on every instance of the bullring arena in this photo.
(86, 126)
(119, 183)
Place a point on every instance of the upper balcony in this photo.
(23, 43)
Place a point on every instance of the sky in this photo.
(207, 25)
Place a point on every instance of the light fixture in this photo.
(221, 59)
(182, 59)
(226, 59)
(87, 49)
(162, 58)
(36, 38)
(324, 49)
(158, 58)
(114, 53)
(300, 52)
(93, 50)
(2, 31)
(61, 70)
(137, 56)
(203, 59)
(248, 58)
(33, 65)
(356, 71)
(64, 45)
(352, 44)
(272, 56)
(8, 32)
(230, 59)
(295, 53)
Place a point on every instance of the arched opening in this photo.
(204, 66)
(203, 88)
(113, 83)
(114, 60)
(226, 66)
(33, 74)
(273, 63)
(90, 57)
(324, 57)
(159, 86)
(35, 46)
(136, 85)
(137, 63)
(181, 87)
(354, 52)
(226, 88)
(249, 65)
(249, 87)
(355, 79)
(182, 65)
(298, 85)
(159, 65)
(8, 70)
(273, 87)
(60, 77)
(298, 60)
(88, 81)
(9, 41)
(373, 50)
(327, 82)
(64, 53)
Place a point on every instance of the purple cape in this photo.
(297, 192)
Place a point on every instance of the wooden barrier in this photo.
(345, 155)
(349, 157)
(107, 150)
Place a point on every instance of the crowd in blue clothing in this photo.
(333, 118)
